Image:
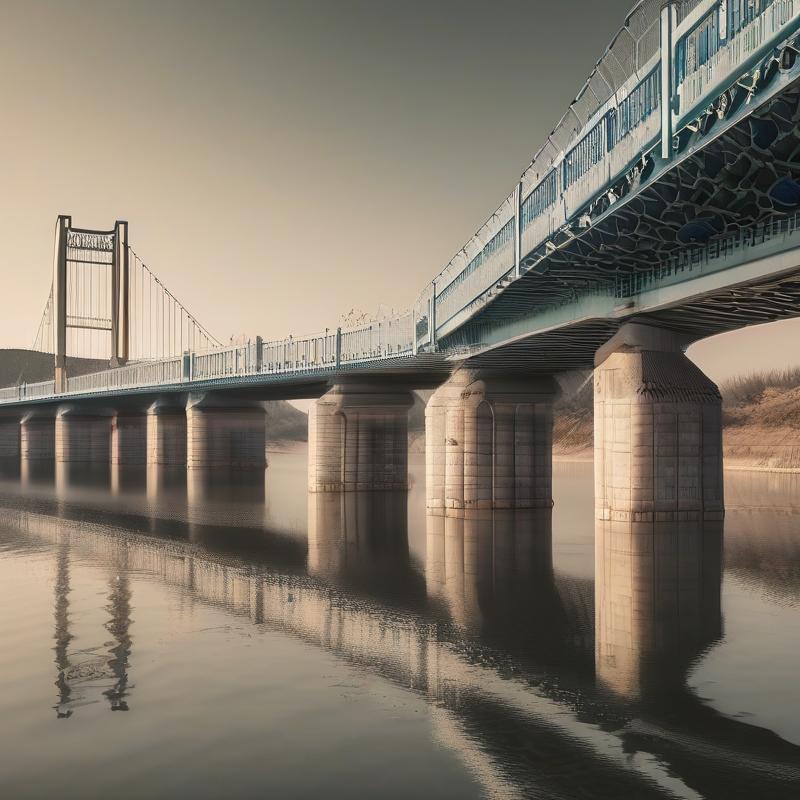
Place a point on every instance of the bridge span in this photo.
(663, 208)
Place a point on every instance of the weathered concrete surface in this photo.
(489, 441)
(358, 439)
(37, 432)
(82, 437)
(9, 438)
(657, 432)
(166, 435)
(219, 435)
(129, 439)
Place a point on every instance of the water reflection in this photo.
(118, 626)
(361, 538)
(84, 674)
(487, 565)
(483, 626)
(62, 634)
(73, 475)
(657, 589)
(37, 472)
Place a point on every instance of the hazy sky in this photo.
(283, 162)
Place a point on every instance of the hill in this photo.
(31, 366)
(761, 418)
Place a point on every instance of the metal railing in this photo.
(626, 73)
(704, 75)
(388, 338)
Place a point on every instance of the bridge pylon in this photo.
(91, 289)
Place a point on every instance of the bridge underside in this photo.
(729, 177)
(574, 346)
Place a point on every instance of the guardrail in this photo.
(611, 126)
(26, 391)
(373, 341)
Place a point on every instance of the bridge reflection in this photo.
(657, 590)
(485, 629)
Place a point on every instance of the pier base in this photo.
(358, 439)
(166, 435)
(129, 439)
(658, 431)
(489, 442)
(82, 437)
(231, 436)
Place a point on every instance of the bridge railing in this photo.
(381, 339)
(39, 389)
(224, 363)
(606, 134)
(25, 391)
(375, 340)
(716, 41)
(151, 373)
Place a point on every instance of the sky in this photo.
(281, 163)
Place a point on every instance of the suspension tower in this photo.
(101, 259)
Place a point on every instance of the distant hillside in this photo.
(761, 415)
(30, 366)
(284, 421)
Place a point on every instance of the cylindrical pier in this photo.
(166, 435)
(9, 438)
(358, 439)
(37, 436)
(129, 439)
(220, 435)
(82, 437)
(658, 431)
(489, 442)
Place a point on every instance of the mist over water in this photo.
(213, 635)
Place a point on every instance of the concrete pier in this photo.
(225, 434)
(9, 438)
(657, 601)
(489, 442)
(82, 436)
(358, 439)
(129, 439)
(37, 436)
(658, 431)
(166, 435)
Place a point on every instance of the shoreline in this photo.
(292, 446)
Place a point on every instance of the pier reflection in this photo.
(361, 539)
(492, 567)
(657, 600)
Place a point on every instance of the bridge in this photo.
(663, 208)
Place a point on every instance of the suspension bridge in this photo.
(663, 208)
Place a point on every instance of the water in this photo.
(238, 638)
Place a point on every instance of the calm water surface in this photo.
(236, 638)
